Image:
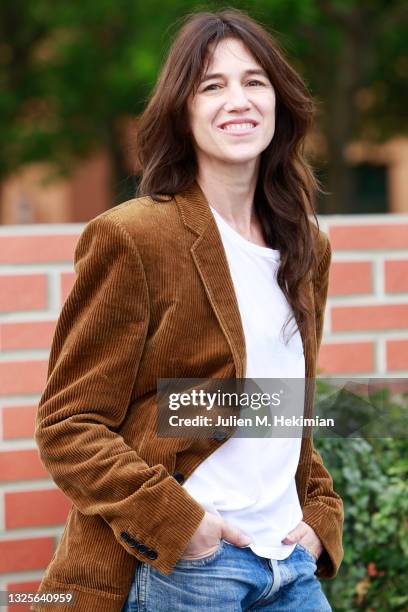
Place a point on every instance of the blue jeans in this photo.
(232, 579)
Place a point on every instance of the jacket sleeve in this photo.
(94, 361)
(323, 509)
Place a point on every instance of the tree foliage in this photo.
(70, 72)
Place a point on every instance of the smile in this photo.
(239, 126)
(238, 129)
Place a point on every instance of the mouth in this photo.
(238, 129)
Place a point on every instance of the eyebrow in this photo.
(219, 75)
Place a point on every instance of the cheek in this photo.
(268, 108)
(196, 128)
(270, 122)
(203, 122)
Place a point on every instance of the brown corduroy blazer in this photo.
(153, 298)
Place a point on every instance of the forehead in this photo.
(229, 53)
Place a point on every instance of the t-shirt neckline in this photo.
(243, 242)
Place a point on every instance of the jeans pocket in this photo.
(204, 560)
(137, 592)
(307, 552)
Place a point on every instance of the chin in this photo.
(243, 158)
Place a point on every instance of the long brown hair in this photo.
(286, 186)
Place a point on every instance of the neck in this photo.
(231, 193)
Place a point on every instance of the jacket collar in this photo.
(194, 208)
(210, 259)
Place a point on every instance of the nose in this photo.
(237, 100)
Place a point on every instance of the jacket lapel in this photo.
(209, 257)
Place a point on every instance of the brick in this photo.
(21, 465)
(358, 237)
(360, 318)
(22, 587)
(25, 555)
(397, 354)
(32, 335)
(53, 248)
(23, 292)
(346, 357)
(396, 276)
(67, 282)
(20, 377)
(350, 277)
(26, 586)
(35, 508)
(18, 422)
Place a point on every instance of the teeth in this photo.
(238, 126)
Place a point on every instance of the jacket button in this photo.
(179, 477)
(133, 543)
(220, 434)
(152, 554)
(142, 548)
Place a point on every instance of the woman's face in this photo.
(232, 115)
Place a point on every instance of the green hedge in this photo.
(371, 477)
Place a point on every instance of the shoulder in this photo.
(139, 230)
(140, 225)
(140, 216)
(323, 254)
(322, 247)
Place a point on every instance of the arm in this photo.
(323, 509)
(94, 361)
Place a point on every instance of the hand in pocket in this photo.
(306, 536)
(206, 538)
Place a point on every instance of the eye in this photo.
(209, 86)
(255, 81)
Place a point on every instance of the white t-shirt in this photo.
(250, 482)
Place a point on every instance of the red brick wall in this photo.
(366, 322)
(35, 276)
(366, 333)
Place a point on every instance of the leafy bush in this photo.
(371, 477)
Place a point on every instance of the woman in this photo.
(196, 278)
